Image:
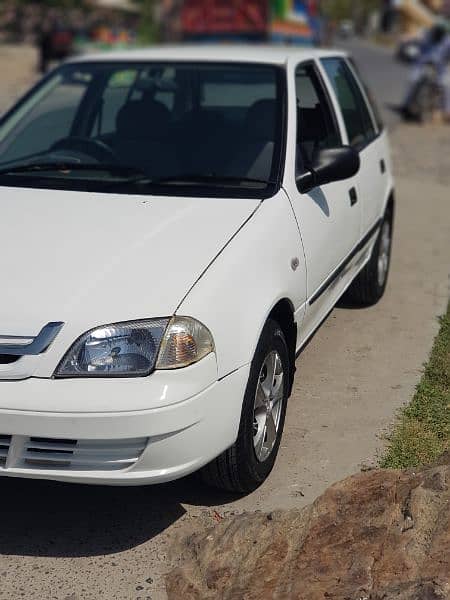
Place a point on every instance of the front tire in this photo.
(245, 466)
(369, 286)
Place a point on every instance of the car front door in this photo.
(329, 216)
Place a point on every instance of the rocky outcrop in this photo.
(378, 535)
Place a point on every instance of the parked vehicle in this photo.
(287, 22)
(426, 96)
(409, 51)
(203, 20)
(175, 225)
(346, 29)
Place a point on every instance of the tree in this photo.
(348, 9)
(149, 28)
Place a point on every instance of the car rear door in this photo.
(364, 131)
(329, 217)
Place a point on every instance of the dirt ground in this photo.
(73, 542)
(17, 71)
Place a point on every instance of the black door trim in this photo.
(353, 196)
(359, 246)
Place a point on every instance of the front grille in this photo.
(48, 452)
(5, 442)
(75, 455)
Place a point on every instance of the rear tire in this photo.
(245, 466)
(425, 102)
(370, 284)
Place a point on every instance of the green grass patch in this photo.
(422, 433)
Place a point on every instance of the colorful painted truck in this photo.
(284, 21)
(295, 21)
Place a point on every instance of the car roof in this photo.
(264, 54)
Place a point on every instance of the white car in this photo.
(175, 225)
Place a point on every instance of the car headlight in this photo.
(137, 348)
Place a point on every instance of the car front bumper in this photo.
(120, 447)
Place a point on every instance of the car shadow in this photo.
(320, 199)
(347, 304)
(51, 519)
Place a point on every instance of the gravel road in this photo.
(81, 543)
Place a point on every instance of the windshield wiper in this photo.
(195, 178)
(133, 176)
(68, 167)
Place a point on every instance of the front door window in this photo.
(317, 128)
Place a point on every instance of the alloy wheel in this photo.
(268, 406)
(384, 253)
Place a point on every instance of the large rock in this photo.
(378, 535)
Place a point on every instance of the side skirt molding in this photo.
(359, 246)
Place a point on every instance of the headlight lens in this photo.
(185, 342)
(121, 349)
(137, 348)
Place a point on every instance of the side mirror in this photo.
(334, 164)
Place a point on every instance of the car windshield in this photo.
(149, 128)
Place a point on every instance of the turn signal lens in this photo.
(186, 341)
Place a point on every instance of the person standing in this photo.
(55, 42)
(44, 46)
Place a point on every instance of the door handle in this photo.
(353, 196)
(383, 166)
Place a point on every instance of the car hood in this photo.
(90, 259)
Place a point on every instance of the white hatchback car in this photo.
(175, 225)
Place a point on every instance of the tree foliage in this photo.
(348, 9)
(148, 28)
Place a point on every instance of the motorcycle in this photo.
(426, 97)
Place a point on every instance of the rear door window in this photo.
(358, 120)
(369, 95)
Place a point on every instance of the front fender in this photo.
(388, 192)
(236, 294)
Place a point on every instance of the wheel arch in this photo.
(283, 314)
(389, 205)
